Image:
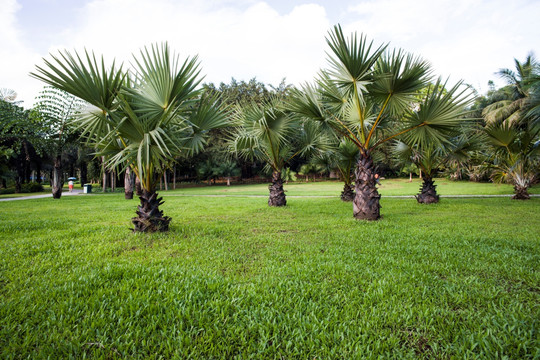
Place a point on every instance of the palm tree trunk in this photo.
(277, 195)
(428, 192)
(410, 177)
(128, 184)
(104, 174)
(366, 203)
(150, 218)
(348, 193)
(165, 180)
(56, 181)
(228, 181)
(138, 186)
(521, 193)
(113, 181)
(174, 178)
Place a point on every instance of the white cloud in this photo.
(231, 42)
(17, 59)
(467, 39)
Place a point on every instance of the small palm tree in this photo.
(269, 134)
(287, 175)
(370, 96)
(141, 119)
(516, 156)
(228, 169)
(429, 160)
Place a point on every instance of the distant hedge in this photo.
(31, 187)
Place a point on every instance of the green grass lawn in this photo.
(333, 188)
(237, 279)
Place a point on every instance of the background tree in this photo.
(513, 127)
(56, 109)
(517, 94)
(139, 118)
(19, 131)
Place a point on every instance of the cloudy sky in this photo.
(270, 40)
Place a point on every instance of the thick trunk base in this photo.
(277, 194)
(150, 218)
(348, 193)
(366, 203)
(521, 193)
(428, 192)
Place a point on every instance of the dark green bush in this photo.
(33, 187)
(25, 188)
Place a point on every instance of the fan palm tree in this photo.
(369, 96)
(142, 118)
(269, 134)
(429, 159)
(516, 155)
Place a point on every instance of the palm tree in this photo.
(429, 159)
(516, 155)
(513, 127)
(522, 89)
(228, 169)
(56, 109)
(142, 118)
(369, 96)
(269, 134)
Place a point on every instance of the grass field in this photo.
(333, 188)
(237, 279)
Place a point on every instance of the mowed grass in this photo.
(235, 278)
(334, 188)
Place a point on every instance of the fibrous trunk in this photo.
(57, 183)
(348, 192)
(150, 218)
(138, 186)
(128, 184)
(428, 192)
(366, 203)
(521, 193)
(277, 195)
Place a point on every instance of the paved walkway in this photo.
(64, 193)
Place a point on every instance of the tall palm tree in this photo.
(521, 89)
(268, 133)
(369, 96)
(140, 118)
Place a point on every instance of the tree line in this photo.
(373, 111)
